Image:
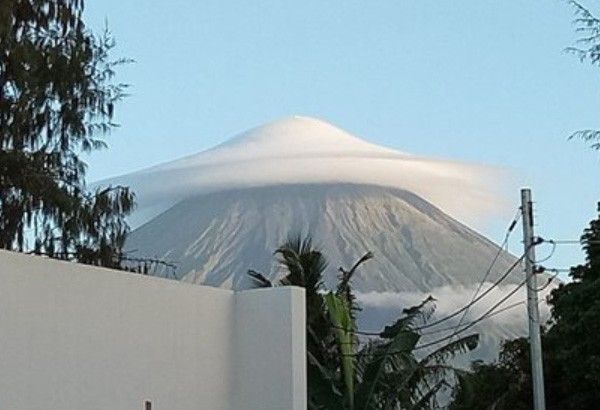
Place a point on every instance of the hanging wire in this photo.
(510, 229)
(459, 311)
(542, 269)
(453, 334)
(550, 254)
(572, 241)
(504, 309)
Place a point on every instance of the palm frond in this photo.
(260, 280)
(425, 401)
(449, 350)
(322, 388)
(398, 348)
(305, 263)
(346, 276)
(588, 136)
(411, 314)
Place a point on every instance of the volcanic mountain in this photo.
(218, 213)
(217, 237)
(221, 212)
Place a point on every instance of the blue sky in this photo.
(475, 80)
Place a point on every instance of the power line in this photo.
(572, 241)
(442, 339)
(445, 329)
(473, 323)
(511, 227)
(504, 309)
(549, 254)
(478, 298)
(556, 271)
(497, 312)
(459, 311)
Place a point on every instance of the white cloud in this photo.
(381, 308)
(306, 150)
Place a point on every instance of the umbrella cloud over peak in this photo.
(301, 150)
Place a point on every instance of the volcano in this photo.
(218, 213)
(216, 237)
(223, 211)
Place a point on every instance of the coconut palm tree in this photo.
(344, 372)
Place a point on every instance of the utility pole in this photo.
(535, 342)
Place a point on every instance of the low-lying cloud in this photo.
(382, 308)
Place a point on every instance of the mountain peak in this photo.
(297, 134)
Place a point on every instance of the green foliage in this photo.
(57, 98)
(504, 384)
(345, 373)
(343, 328)
(486, 387)
(574, 336)
(570, 349)
(386, 369)
(587, 49)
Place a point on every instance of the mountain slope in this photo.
(215, 238)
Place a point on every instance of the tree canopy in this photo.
(57, 101)
(587, 49)
(570, 349)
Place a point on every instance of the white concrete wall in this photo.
(257, 321)
(79, 337)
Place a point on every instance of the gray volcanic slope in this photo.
(215, 238)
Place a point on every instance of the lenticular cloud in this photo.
(300, 150)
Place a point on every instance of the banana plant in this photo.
(382, 372)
